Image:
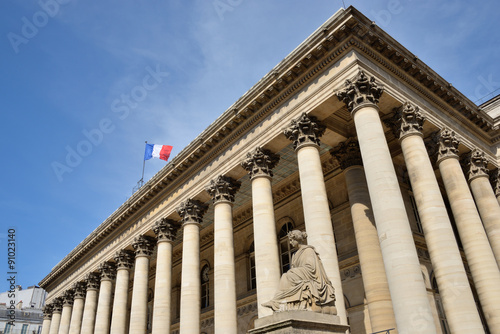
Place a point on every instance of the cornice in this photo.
(345, 30)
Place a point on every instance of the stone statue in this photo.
(305, 286)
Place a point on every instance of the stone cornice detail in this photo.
(143, 245)
(359, 91)
(191, 211)
(165, 230)
(223, 189)
(345, 31)
(475, 164)
(80, 289)
(124, 259)
(495, 181)
(408, 120)
(448, 145)
(47, 312)
(260, 162)
(347, 154)
(305, 130)
(107, 271)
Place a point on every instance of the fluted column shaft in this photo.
(165, 232)
(267, 263)
(76, 316)
(65, 319)
(139, 304)
(377, 293)
(489, 210)
(191, 212)
(124, 261)
(454, 289)
(56, 321)
(89, 310)
(102, 320)
(477, 249)
(46, 325)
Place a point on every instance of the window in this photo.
(8, 328)
(39, 329)
(285, 250)
(251, 263)
(205, 295)
(24, 330)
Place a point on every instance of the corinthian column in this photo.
(486, 201)
(56, 316)
(305, 133)
(191, 212)
(124, 261)
(454, 288)
(66, 312)
(222, 190)
(495, 182)
(259, 165)
(477, 249)
(90, 307)
(143, 247)
(47, 318)
(165, 231)
(406, 284)
(377, 293)
(76, 316)
(102, 320)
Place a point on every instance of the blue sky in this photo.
(122, 72)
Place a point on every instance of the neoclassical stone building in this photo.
(391, 171)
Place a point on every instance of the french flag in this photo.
(157, 151)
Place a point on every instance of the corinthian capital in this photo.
(475, 164)
(68, 297)
(408, 120)
(93, 281)
(57, 305)
(304, 130)
(359, 91)
(223, 188)
(143, 245)
(108, 271)
(495, 181)
(47, 312)
(165, 230)
(124, 259)
(260, 162)
(192, 211)
(448, 145)
(80, 288)
(347, 153)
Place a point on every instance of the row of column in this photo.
(394, 286)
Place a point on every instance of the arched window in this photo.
(205, 295)
(251, 267)
(285, 250)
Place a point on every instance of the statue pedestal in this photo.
(299, 322)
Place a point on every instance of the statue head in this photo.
(297, 237)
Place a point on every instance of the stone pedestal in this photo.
(299, 322)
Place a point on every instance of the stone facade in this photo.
(352, 139)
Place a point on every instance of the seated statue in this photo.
(305, 286)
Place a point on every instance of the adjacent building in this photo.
(391, 171)
(21, 310)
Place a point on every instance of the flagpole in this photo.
(143, 165)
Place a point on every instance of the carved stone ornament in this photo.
(68, 298)
(143, 245)
(223, 188)
(80, 288)
(192, 211)
(260, 162)
(57, 305)
(93, 281)
(347, 153)
(360, 90)
(448, 145)
(495, 181)
(408, 120)
(124, 259)
(304, 130)
(165, 230)
(108, 271)
(475, 164)
(47, 312)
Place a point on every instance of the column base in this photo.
(299, 322)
